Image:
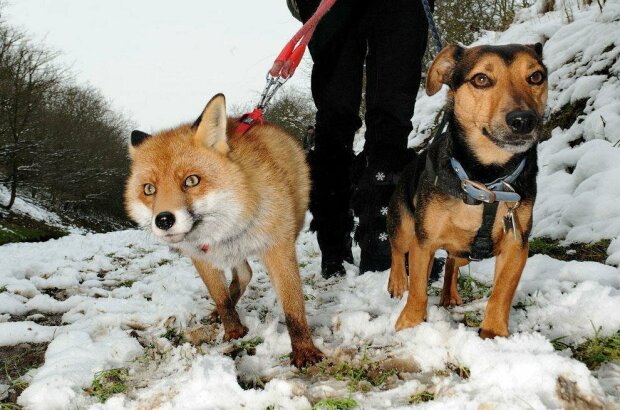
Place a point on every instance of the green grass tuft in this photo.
(361, 376)
(335, 404)
(107, 383)
(472, 319)
(598, 350)
(421, 397)
(472, 289)
(595, 251)
(27, 230)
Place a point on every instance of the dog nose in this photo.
(521, 122)
(164, 220)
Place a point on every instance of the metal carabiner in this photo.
(272, 86)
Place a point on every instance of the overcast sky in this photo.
(160, 61)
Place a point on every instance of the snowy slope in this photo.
(105, 300)
(26, 207)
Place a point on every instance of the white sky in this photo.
(160, 61)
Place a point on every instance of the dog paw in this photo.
(235, 333)
(397, 288)
(409, 319)
(450, 300)
(492, 333)
(306, 357)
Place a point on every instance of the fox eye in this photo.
(481, 81)
(149, 189)
(192, 181)
(536, 78)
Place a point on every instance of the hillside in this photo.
(109, 321)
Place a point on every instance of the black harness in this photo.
(447, 175)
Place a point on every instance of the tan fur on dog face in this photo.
(482, 111)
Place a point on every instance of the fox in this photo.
(220, 196)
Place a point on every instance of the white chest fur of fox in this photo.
(220, 196)
(223, 238)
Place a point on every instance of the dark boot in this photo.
(334, 252)
(372, 197)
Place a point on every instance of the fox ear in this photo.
(442, 68)
(211, 125)
(137, 138)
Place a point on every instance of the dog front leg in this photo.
(508, 268)
(414, 312)
(216, 284)
(450, 291)
(281, 263)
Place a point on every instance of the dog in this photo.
(220, 196)
(471, 192)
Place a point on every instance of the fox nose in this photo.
(521, 122)
(164, 220)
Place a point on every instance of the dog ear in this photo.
(442, 68)
(137, 138)
(211, 125)
(538, 49)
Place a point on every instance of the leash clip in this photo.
(273, 85)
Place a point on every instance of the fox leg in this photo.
(216, 284)
(242, 274)
(450, 292)
(414, 312)
(508, 268)
(281, 263)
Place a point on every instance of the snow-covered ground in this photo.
(117, 294)
(27, 207)
(118, 300)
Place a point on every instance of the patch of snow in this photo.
(124, 289)
(26, 207)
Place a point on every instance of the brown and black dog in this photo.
(496, 100)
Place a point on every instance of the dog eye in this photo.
(536, 78)
(149, 189)
(192, 181)
(481, 81)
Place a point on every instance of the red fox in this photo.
(219, 197)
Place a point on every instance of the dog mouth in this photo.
(511, 142)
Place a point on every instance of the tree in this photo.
(27, 74)
(293, 110)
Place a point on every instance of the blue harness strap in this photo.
(496, 191)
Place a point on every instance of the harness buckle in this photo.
(490, 195)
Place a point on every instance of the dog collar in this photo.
(499, 190)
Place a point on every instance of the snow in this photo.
(26, 207)
(108, 322)
(114, 295)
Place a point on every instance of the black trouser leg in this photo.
(338, 49)
(396, 44)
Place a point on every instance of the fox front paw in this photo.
(306, 357)
(235, 332)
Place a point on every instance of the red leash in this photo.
(284, 66)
